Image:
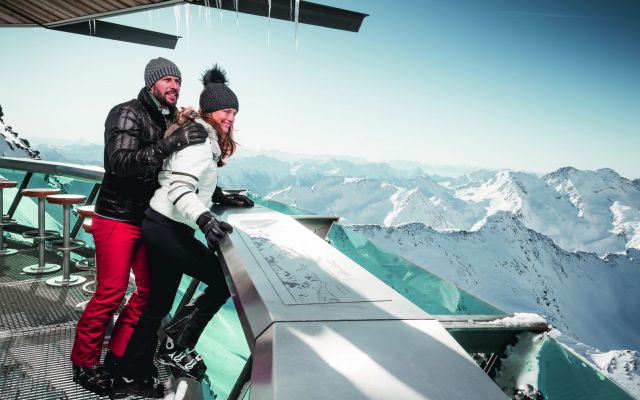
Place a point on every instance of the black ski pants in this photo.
(173, 250)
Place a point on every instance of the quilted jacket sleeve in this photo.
(125, 153)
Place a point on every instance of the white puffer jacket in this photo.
(188, 179)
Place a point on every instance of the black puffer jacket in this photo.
(132, 159)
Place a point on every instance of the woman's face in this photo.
(224, 118)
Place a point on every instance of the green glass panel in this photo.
(222, 344)
(427, 291)
(26, 212)
(565, 376)
(280, 207)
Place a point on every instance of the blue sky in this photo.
(525, 85)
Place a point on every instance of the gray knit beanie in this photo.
(216, 95)
(157, 69)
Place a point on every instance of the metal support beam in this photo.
(16, 200)
(484, 333)
(123, 33)
(309, 13)
(188, 294)
(318, 224)
(239, 388)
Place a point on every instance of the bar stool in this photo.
(90, 286)
(87, 212)
(66, 244)
(41, 234)
(5, 220)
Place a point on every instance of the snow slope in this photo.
(519, 270)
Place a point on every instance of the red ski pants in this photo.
(119, 249)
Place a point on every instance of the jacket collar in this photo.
(153, 108)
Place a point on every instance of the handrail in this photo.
(88, 172)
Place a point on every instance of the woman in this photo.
(187, 183)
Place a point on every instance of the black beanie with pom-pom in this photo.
(216, 94)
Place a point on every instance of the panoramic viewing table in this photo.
(318, 324)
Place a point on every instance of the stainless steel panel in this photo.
(365, 360)
(281, 271)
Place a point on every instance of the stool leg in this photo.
(3, 252)
(41, 267)
(66, 279)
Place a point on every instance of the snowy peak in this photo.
(592, 211)
(13, 146)
(608, 203)
(412, 205)
(601, 180)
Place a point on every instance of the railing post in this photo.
(188, 294)
(16, 200)
(239, 389)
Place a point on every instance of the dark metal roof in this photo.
(49, 13)
(82, 16)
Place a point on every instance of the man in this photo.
(134, 152)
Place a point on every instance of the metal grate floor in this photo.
(32, 305)
(11, 266)
(37, 328)
(36, 366)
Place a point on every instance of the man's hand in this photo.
(186, 135)
(232, 200)
(213, 229)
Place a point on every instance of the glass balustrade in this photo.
(26, 212)
(279, 207)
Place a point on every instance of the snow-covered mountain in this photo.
(595, 211)
(519, 270)
(11, 145)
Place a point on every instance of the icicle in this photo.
(219, 5)
(296, 13)
(94, 26)
(290, 10)
(186, 18)
(90, 28)
(235, 5)
(176, 12)
(207, 11)
(150, 14)
(269, 26)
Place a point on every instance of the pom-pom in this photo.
(214, 75)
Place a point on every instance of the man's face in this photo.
(167, 90)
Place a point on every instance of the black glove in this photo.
(233, 199)
(213, 229)
(186, 135)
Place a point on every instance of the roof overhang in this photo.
(83, 16)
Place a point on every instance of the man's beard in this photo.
(162, 97)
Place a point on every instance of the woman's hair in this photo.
(225, 140)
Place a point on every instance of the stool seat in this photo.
(39, 192)
(86, 225)
(86, 211)
(66, 199)
(4, 184)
